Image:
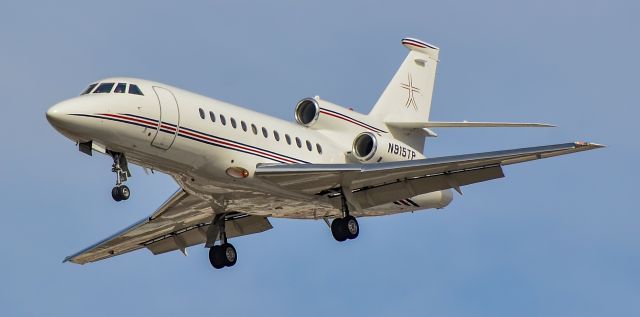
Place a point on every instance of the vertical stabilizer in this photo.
(407, 97)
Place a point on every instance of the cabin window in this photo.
(254, 129)
(120, 88)
(265, 132)
(104, 88)
(319, 148)
(233, 123)
(288, 138)
(276, 135)
(223, 120)
(133, 89)
(212, 116)
(89, 89)
(201, 113)
(244, 126)
(309, 147)
(298, 142)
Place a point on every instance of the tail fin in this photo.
(407, 98)
(408, 95)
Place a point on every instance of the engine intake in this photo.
(365, 146)
(307, 111)
(368, 147)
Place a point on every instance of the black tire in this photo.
(115, 194)
(228, 254)
(351, 227)
(124, 192)
(337, 230)
(215, 257)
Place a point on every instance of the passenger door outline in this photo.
(168, 119)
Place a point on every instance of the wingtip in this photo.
(588, 144)
(540, 125)
(70, 260)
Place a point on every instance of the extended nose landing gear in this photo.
(120, 192)
(121, 169)
(346, 227)
(224, 254)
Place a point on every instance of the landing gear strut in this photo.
(224, 254)
(346, 227)
(121, 169)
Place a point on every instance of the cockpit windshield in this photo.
(120, 88)
(133, 89)
(89, 89)
(103, 88)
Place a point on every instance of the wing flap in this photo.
(198, 234)
(401, 189)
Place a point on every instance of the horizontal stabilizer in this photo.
(466, 124)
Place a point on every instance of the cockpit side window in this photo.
(133, 89)
(104, 88)
(120, 88)
(89, 89)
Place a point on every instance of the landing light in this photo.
(237, 172)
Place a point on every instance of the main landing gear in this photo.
(224, 254)
(346, 227)
(121, 169)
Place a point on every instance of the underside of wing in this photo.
(182, 221)
(378, 183)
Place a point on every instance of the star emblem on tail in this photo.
(411, 101)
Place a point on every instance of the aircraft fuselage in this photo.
(207, 144)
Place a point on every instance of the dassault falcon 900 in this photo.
(236, 168)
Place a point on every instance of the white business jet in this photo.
(237, 168)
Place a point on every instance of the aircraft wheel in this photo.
(115, 194)
(351, 227)
(215, 257)
(228, 254)
(124, 192)
(337, 230)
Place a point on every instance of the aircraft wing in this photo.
(378, 183)
(180, 222)
(467, 124)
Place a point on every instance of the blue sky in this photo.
(554, 238)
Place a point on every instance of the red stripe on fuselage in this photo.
(198, 135)
(151, 123)
(201, 136)
(347, 119)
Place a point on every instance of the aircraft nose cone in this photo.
(54, 115)
(60, 116)
(73, 118)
